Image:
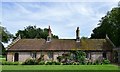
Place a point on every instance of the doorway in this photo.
(16, 57)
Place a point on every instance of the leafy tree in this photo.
(5, 36)
(33, 32)
(110, 25)
(84, 37)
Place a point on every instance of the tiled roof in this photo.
(60, 44)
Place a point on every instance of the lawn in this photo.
(60, 67)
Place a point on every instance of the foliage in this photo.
(48, 63)
(89, 63)
(80, 56)
(36, 62)
(67, 59)
(60, 58)
(5, 36)
(97, 62)
(106, 61)
(10, 63)
(110, 25)
(52, 63)
(2, 49)
(84, 37)
(34, 32)
(30, 62)
(41, 63)
(41, 58)
(64, 58)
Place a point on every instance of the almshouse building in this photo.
(22, 49)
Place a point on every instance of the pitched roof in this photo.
(60, 44)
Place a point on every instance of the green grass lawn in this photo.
(60, 67)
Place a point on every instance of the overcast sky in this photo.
(63, 17)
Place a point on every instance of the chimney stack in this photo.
(77, 35)
(49, 35)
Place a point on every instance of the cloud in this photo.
(60, 0)
(63, 17)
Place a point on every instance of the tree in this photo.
(84, 37)
(33, 32)
(5, 36)
(110, 25)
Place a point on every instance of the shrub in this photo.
(74, 63)
(106, 61)
(30, 62)
(41, 63)
(97, 62)
(53, 63)
(10, 63)
(64, 63)
(15, 63)
(56, 63)
(48, 63)
(89, 63)
(60, 58)
(82, 63)
(6, 63)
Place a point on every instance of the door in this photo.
(16, 57)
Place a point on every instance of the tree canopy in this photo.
(31, 32)
(110, 25)
(5, 36)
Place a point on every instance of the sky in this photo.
(63, 17)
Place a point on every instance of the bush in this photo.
(68, 64)
(53, 63)
(48, 63)
(41, 63)
(89, 63)
(82, 63)
(15, 63)
(60, 58)
(105, 61)
(56, 63)
(10, 63)
(30, 62)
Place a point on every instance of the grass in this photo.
(60, 67)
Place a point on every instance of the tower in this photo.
(77, 35)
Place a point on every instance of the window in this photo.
(33, 55)
(104, 54)
(88, 55)
(50, 54)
